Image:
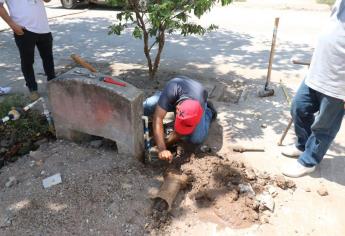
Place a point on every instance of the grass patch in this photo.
(328, 2)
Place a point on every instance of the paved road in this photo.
(241, 45)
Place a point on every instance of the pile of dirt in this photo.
(223, 191)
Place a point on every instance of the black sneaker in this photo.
(213, 109)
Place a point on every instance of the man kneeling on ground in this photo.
(193, 113)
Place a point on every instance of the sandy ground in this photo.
(104, 193)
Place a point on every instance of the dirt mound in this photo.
(236, 194)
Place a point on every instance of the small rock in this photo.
(307, 190)
(250, 174)
(11, 181)
(5, 143)
(5, 221)
(43, 172)
(96, 143)
(3, 150)
(322, 191)
(290, 184)
(273, 191)
(255, 216)
(246, 188)
(280, 181)
(52, 180)
(40, 142)
(37, 155)
(267, 201)
(264, 175)
(264, 220)
(263, 126)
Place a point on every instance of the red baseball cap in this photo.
(188, 115)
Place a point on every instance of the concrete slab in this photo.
(82, 105)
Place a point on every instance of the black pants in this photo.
(26, 44)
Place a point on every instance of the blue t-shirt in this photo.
(179, 89)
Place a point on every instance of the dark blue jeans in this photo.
(201, 131)
(315, 133)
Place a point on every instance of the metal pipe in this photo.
(26, 108)
(146, 132)
(174, 181)
(46, 113)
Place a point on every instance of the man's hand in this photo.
(17, 29)
(165, 155)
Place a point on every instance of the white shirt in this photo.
(327, 69)
(30, 14)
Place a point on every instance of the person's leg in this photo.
(304, 105)
(323, 130)
(150, 104)
(26, 46)
(201, 131)
(45, 48)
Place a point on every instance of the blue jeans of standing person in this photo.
(315, 133)
(201, 131)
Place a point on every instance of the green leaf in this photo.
(137, 33)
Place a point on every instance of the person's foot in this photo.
(34, 96)
(291, 151)
(5, 90)
(296, 170)
(213, 109)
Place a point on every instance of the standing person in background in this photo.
(29, 22)
(322, 91)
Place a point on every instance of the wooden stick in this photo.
(280, 142)
(83, 63)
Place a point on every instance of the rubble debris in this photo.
(272, 191)
(37, 155)
(11, 181)
(266, 200)
(283, 183)
(250, 174)
(246, 188)
(40, 142)
(307, 190)
(96, 143)
(52, 180)
(264, 126)
(5, 90)
(322, 191)
(5, 221)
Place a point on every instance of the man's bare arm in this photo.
(17, 29)
(158, 130)
(158, 133)
(172, 138)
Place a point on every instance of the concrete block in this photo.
(86, 106)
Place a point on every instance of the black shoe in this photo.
(213, 109)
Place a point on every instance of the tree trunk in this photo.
(161, 43)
